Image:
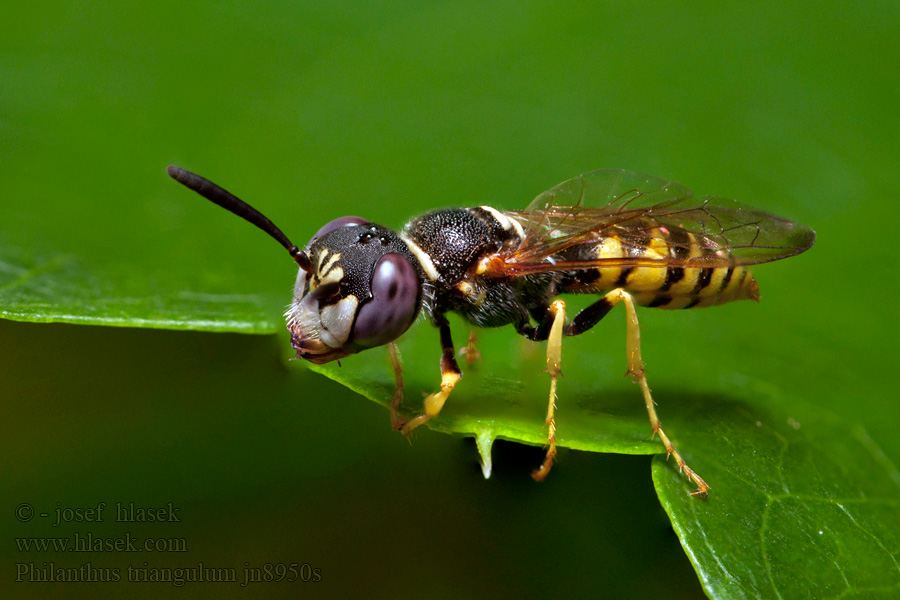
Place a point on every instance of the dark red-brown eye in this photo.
(337, 224)
(392, 309)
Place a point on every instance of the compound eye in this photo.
(392, 309)
(337, 224)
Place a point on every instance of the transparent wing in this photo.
(639, 209)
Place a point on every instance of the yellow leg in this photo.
(450, 375)
(636, 370)
(433, 403)
(554, 362)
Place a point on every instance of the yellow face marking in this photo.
(324, 268)
(338, 318)
(322, 254)
(327, 271)
(333, 276)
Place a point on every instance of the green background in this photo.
(317, 110)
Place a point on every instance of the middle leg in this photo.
(556, 318)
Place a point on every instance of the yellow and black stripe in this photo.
(671, 287)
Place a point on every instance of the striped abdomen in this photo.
(670, 286)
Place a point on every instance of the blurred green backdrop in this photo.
(318, 110)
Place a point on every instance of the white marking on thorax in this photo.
(505, 222)
(423, 258)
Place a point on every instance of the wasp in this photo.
(627, 237)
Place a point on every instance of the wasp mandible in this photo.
(630, 238)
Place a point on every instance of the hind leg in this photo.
(589, 317)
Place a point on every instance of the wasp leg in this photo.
(589, 317)
(450, 375)
(551, 329)
(470, 352)
(396, 420)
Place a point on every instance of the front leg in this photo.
(450, 375)
(397, 422)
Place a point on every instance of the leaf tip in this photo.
(484, 439)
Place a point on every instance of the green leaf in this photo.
(272, 466)
(805, 507)
(505, 394)
(386, 110)
(802, 504)
(61, 288)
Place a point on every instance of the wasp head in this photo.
(362, 289)
(358, 287)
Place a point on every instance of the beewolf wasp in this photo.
(630, 238)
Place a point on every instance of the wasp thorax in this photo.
(363, 289)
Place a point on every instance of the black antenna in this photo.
(232, 203)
